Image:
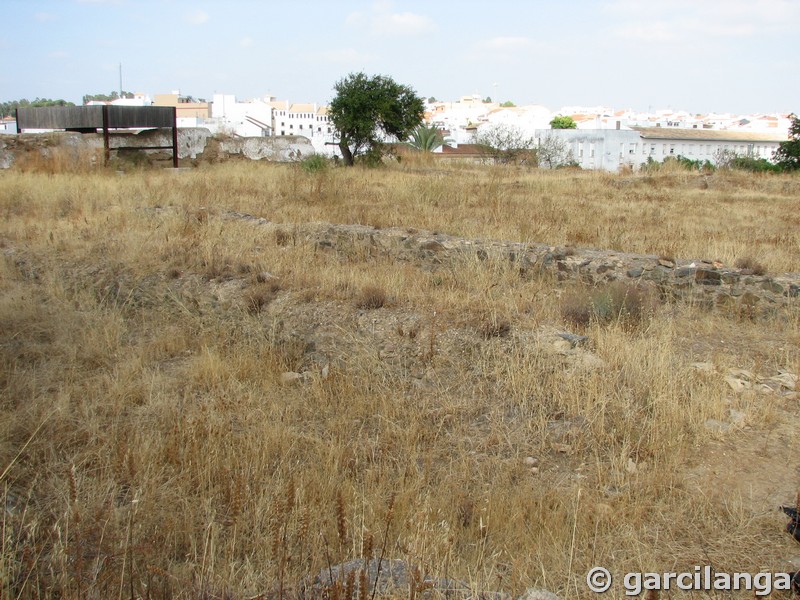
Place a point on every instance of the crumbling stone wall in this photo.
(706, 282)
(195, 144)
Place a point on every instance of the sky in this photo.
(738, 56)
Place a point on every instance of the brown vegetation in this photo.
(150, 446)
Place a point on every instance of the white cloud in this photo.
(382, 21)
(58, 54)
(44, 17)
(199, 17)
(356, 19)
(246, 42)
(687, 20)
(648, 32)
(346, 56)
(403, 24)
(505, 43)
(506, 49)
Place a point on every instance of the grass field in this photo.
(152, 444)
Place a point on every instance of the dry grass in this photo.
(149, 447)
(371, 297)
(748, 263)
(617, 301)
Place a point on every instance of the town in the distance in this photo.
(598, 138)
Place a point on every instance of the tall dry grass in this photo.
(150, 448)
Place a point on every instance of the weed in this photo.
(751, 265)
(371, 297)
(259, 296)
(315, 164)
(494, 326)
(616, 301)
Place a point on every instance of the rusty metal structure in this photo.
(89, 119)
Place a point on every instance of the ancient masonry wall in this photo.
(705, 282)
(194, 143)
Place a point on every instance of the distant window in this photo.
(283, 132)
(301, 125)
(291, 126)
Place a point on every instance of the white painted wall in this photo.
(244, 119)
(611, 149)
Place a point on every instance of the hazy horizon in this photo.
(699, 56)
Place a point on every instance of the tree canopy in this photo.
(115, 95)
(7, 108)
(563, 122)
(369, 111)
(427, 138)
(787, 156)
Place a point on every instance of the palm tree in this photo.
(427, 138)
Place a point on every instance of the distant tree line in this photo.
(115, 95)
(7, 108)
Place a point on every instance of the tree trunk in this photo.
(347, 156)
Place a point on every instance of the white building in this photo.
(138, 99)
(309, 120)
(8, 125)
(460, 119)
(244, 119)
(527, 118)
(612, 149)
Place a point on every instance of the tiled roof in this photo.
(711, 135)
(463, 150)
(303, 108)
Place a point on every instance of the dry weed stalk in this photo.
(341, 521)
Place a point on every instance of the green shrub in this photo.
(652, 166)
(373, 157)
(315, 164)
(754, 165)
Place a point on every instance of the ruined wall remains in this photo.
(195, 144)
(706, 282)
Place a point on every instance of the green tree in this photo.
(7, 108)
(508, 104)
(562, 122)
(427, 138)
(106, 97)
(787, 156)
(369, 111)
